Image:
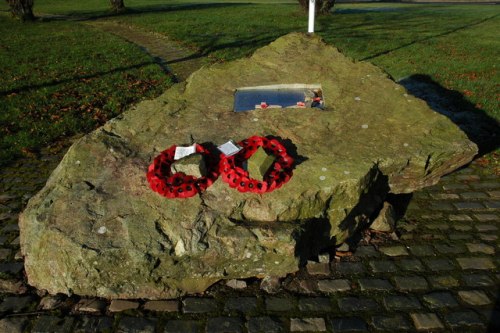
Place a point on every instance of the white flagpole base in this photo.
(312, 4)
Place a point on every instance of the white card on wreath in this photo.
(181, 152)
(229, 148)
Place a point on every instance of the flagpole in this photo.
(311, 16)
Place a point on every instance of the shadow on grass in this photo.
(482, 129)
(102, 14)
(72, 79)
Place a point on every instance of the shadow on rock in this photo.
(482, 129)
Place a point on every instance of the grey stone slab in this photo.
(162, 306)
(438, 226)
(280, 304)
(224, 325)
(444, 248)
(13, 324)
(136, 325)
(492, 204)
(348, 268)
(391, 323)
(436, 300)
(394, 251)
(315, 304)
(412, 265)
(348, 324)
(375, 285)
(474, 297)
(441, 206)
(183, 326)
(459, 217)
(90, 305)
(486, 217)
(383, 266)
(52, 324)
(437, 265)
(468, 205)
(411, 283)
(421, 250)
(118, 305)
(486, 227)
(11, 267)
(426, 321)
(264, 325)
(87, 324)
(462, 227)
(318, 268)
(480, 248)
(454, 186)
(462, 319)
(443, 281)
(241, 304)
(401, 303)
(199, 305)
(357, 304)
(477, 280)
(484, 185)
(459, 236)
(366, 251)
(307, 325)
(476, 263)
(333, 286)
(474, 195)
(444, 196)
(16, 303)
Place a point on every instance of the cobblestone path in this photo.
(438, 272)
(174, 58)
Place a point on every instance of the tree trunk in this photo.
(117, 5)
(321, 7)
(22, 9)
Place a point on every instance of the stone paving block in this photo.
(13, 325)
(348, 324)
(52, 324)
(468, 205)
(92, 324)
(474, 297)
(347, 268)
(5, 254)
(454, 186)
(477, 280)
(394, 251)
(366, 251)
(411, 283)
(183, 326)
(401, 303)
(488, 237)
(280, 304)
(450, 249)
(236, 284)
(469, 178)
(315, 304)
(391, 323)
(486, 227)
(224, 324)
(90, 305)
(443, 281)
(474, 195)
(136, 325)
(264, 325)
(162, 306)
(307, 325)
(444, 196)
(241, 304)
(426, 321)
(411, 265)
(476, 263)
(16, 303)
(383, 266)
(494, 194)
(199, 305)
(459, 236)
(463, 319)
(422, 250)
(459, 217)
(333, 286)
(301, 286)
(118, 305)
(462, 227)
(440, 299)
(13, 268)
(439, 226)
(480, 248)
(437, 265)
(375, 285)
(441, 206)
(492, 204)
(486, 217)
(318, 268)
(357, 304)
(484, 185)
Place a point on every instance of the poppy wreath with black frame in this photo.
(233, 173)
(179, 185)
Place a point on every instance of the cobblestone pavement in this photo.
(438, 272)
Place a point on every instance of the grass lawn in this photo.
(60, 78)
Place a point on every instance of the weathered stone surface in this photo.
(193, 165)
(386, 219)
(96, 228)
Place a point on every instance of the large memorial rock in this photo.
(98, 229)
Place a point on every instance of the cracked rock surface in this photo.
(97, 229)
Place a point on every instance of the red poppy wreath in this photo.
(179, 185)
(233, 173)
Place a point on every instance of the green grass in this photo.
(60, 78)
